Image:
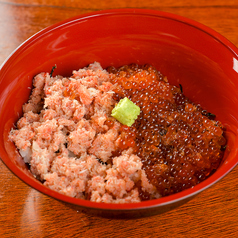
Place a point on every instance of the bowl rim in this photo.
(218, 175)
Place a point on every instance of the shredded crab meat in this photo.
(64, 138)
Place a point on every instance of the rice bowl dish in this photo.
(74, 146)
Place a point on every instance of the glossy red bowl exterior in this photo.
(187, 52)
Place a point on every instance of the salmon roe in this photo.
(179, 143)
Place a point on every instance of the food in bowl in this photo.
(75, 146)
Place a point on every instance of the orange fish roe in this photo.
(178, 142)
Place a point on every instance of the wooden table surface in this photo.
(25, 212)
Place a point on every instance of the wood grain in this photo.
(25, 212)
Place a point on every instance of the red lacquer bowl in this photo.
(187, 52)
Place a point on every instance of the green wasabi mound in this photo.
(126, 111)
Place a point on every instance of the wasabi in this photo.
(126, 111)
